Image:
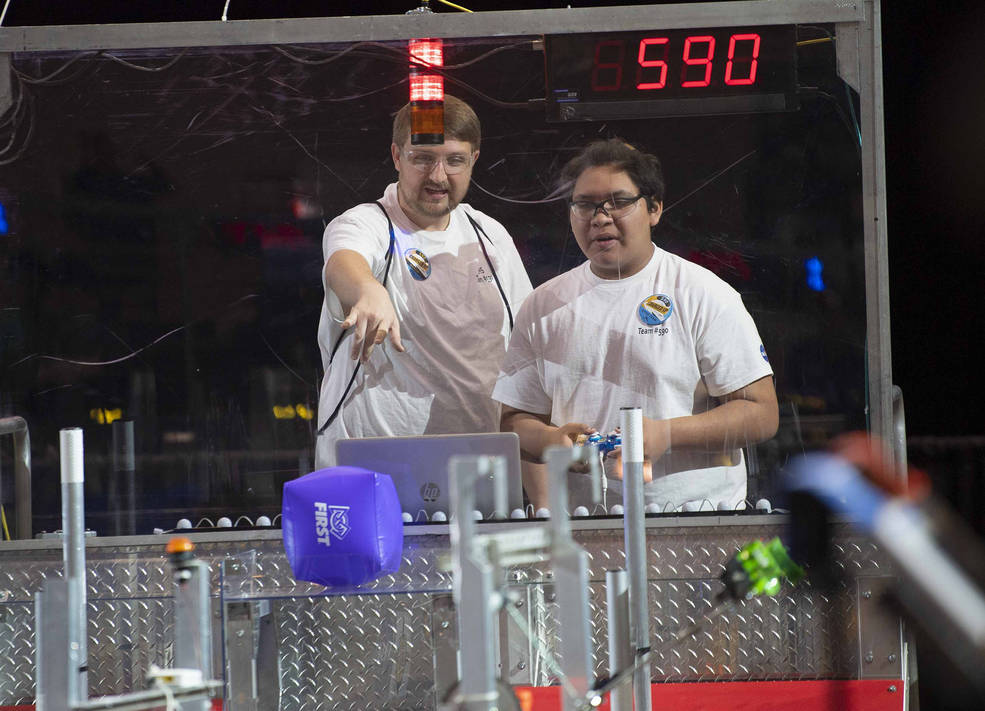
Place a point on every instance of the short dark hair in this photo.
(643, 168)
(461, 123)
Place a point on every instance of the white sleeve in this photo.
(521, 382)
(729, 349)
(357, 231)
(361, 231)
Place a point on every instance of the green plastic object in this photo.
(760, 568)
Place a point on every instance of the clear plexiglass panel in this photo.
(161, 253)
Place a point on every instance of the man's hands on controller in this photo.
(567, 435)
(656, 443)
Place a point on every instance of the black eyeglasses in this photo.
(612, 206)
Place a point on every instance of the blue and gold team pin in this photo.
(656, 309)
(418, 264)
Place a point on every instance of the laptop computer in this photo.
(418, 466)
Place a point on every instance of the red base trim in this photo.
(868, 695)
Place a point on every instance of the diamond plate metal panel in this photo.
(799, 634)
(544, 628)
(265, 572)
(16, 653)
(374, 649)
(22, 573)
(125, 638)
(701, 551)
(355, 652)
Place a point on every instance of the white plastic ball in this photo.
(616, 510)
(406, 517)
(184, 523)
(476, 515)
(652, 508)
(543, 513)
(517, 513)
(224, 522)
(764, 505)
(580, 511)
(263, 520)
(439, 516)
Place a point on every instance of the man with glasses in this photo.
(636, 326)
(420, 294)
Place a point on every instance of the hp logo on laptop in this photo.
(430, 491)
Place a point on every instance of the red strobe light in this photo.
(427, 92)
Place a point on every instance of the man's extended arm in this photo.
(365, 303)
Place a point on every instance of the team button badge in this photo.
(418, 264)
(654, 310)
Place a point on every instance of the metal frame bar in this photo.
(193, 618)
(621, 650)
(52, 674)
(634, 535)
(475, 585)
(399, 27)
(570, 564)
(74, 561)
(878, 343)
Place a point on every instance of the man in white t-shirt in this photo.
(420, 294)
(636, 326)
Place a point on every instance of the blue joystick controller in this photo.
(606, 443)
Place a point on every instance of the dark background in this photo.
(934, 99)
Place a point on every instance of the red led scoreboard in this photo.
(671, 73)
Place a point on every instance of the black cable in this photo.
(502, 293)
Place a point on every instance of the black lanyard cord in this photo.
(478, 229)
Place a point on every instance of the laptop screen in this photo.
(418, 466)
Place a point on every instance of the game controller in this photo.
(605, 443)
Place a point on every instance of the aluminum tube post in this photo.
(17, 426)
(193, 622)
(570, 564)
(123, 478)
(621, 651)
(51, 642)
(476, 597)
(500, 488)
(192, 618)
(634, 527)
(73, 548)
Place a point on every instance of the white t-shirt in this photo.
(453, 324)
(668, 339)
